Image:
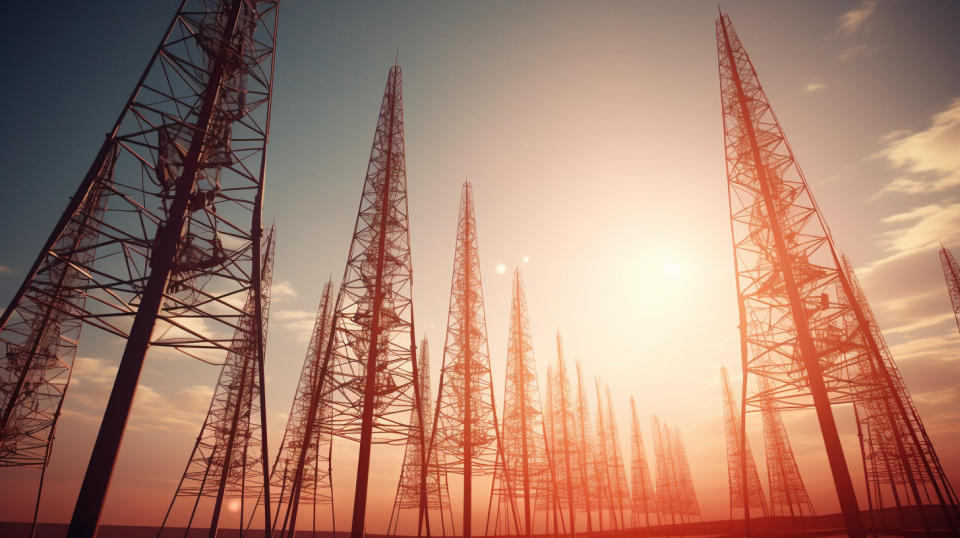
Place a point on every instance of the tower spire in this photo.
(465, 421)
(740, 493)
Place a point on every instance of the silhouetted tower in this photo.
(753, 494)
(570, 469)
(618, 473)
(897, 451)
(792, 292)
(423, 490)
(590, 481)
(226, 461)
(374, 388)
(302, 469)
(689, 506)
(465, 430)
(951, 272)
(550, 493)
(605, 464)
(788, 495)
(668, 493)
(642, 496)
(526, 466)
(139, 250)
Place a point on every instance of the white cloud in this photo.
(814, 87)
(929, 158)
(853, 20)
(282, 290)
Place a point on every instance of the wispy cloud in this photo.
(814, 87)
(298, 321)
(282, 290)
(853, 51)
(929, 159)
(6, 270)
(853, 20)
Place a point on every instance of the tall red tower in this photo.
(568, 462)
(951, 272)
(465, 430)
(689, 506)
(590, 478)
(618, 473)
(227, 458)
(896, 449)
(668, 489)
(788, 495)
(526, 461)
(750, 496)
(801, 327)
(371, 358)
(139, 250)
(303, 468)
(422, 488)
(642, 497)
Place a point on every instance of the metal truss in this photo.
(161, 242)
(752, 495)
(642, 496)
(951, 273)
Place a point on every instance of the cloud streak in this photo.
(853, 20)
(928, 159)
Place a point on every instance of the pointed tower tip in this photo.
(396, 59)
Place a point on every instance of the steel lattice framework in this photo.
(689, 506)
(676, 496)
(801, 327)
(465, 430)
(642, 496)
(226, 461)
(590, 478)
(418, 489)
(896, 449)
(753, 495)
(371, 358)
(564, 439)
(610, 443)
(161, 242)
(303, 468)
(526, 471)
(951, 272)
(788, 495)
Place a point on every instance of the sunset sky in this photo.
(591, 133)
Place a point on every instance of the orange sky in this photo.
(592, 137)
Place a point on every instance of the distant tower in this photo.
(138, 250)
(951, 272)
(302, 470)
(465, 430)
(897, 451)
(642, 497)
(800, 327)
(735, 457)
(668, 494)
(608, 485)
(590, 481)
(423, 489)
(788, 495)
(372, 355)
(525, 456)
(571, 469)
(227, 458)
(618, 472)
(689, 506)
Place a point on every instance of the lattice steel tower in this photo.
(590, 477)
(642, 496)
(465, 430)
(801, 327)
(951, 272)
(371, 358)
(227, 460)
(526, 472)
(740, 497)
(303, 468)
(422, 488)
(568, 462)
(788, 495)
(610, 444)
(140, 251)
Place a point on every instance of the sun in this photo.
(671, 269)
(501, 268)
